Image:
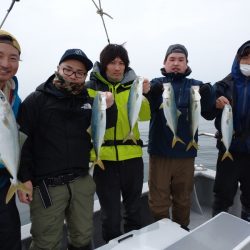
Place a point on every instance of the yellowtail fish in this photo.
(194, 114)
(170, 111)
(98, 125)
(134, 106)
(227, 129)
(10, 145)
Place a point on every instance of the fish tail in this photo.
(192, 143)
(22, 187)
(13, 188)
(99, 163)
(177, 139)
(11, 192)
(130, 136)
(227, 154)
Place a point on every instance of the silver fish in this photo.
(227, 129)
(134, 106)
(194, 114)
(98, 125)
(9, 145)
(170, 111)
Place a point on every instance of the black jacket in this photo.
(56, 124)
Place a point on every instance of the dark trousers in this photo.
(120, 178)
(228, 177)
(10, 232)
(171, 182)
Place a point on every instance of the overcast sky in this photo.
(211, 30)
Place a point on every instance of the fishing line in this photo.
(8, 11)
(101, 13)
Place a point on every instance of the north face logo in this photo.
(86, 106)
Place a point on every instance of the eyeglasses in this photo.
(78, 74)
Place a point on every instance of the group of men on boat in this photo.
(54, 162)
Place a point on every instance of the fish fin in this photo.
(131, 137)
(227, 154)
(178, 112)
(22, 138)
(10, 193)
(89, 130)
(5, 121)
(177, 139)
(23, 188)
(161, 106)
(192, 143)
(13, 188)
(99, 163)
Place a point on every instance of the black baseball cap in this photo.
(79, 55)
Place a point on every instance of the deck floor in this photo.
(200, 212)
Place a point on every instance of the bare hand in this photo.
(25, 197)
(146, 86)
(109, 99)
(221, 102)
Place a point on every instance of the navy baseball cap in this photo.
(79, 55)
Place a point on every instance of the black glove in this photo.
(205, 90)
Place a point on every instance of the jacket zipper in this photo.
(245, 97)
(115, 145)
(244, 108)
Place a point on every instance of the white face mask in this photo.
(245, 69)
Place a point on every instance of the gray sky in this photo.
(212, 31)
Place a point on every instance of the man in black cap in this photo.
(234, 89)
(55, 157)
(171, 165)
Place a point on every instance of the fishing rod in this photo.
(101, 13)
(8, 11)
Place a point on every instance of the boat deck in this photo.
(201, 211)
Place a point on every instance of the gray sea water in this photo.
(207, 155)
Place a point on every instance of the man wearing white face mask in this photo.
(245, 68)
(234, 89)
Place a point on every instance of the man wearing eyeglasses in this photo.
(10, 234)
(55, 157)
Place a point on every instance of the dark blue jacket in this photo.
(4, 176)
(160, 135)
(236, 88)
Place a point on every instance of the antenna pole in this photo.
(8, 11)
